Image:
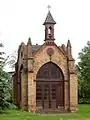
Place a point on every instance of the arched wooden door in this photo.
(49, 86)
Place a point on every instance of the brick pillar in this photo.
(73, 86)
(31, 87)
(66, 95)
(24, 91)
(72, 79)
(30, 84)
(73, 92)
(31, 93)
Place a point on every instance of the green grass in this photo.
(83, 113)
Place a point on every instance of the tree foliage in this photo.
(5, 84)
(84, 74)
(11, 60)
(4, 89)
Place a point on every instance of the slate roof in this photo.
(35, 47)
(49, 19)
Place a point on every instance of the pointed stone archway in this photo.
(50, 87)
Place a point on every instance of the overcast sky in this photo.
(20, 19)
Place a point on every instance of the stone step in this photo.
(51, 111)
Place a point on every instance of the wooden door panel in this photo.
(61, 95)
(58, 96)
(53, 95)
(46, 90)
(39, 94)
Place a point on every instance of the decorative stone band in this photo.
(52, 80)
(30, 58)
(30, 71)
(48, 42)
(73, 72)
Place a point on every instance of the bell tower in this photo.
(49, 27)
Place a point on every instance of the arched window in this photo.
(50, 71)
(49, 30)
(21, 53)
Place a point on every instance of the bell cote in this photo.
(49, 27)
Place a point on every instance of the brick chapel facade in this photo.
(45, 77)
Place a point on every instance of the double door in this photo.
(49, 94)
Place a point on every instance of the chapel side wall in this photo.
(59, 59)
(24, 89)
(22, 77)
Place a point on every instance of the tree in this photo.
(4, 89)
(1, 57)
(11, 60)
(84, 73)
(5, 82)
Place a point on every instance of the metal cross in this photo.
(48, 7)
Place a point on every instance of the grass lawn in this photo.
(82, 114)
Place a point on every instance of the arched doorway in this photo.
(49, 86)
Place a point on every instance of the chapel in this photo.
(45, 77)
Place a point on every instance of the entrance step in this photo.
(51, 111)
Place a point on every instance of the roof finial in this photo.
(48, 7)
(68, 43)
(29, 41)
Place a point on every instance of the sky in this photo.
(21, 19)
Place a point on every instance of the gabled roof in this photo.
(49, 19)
(35, 48)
